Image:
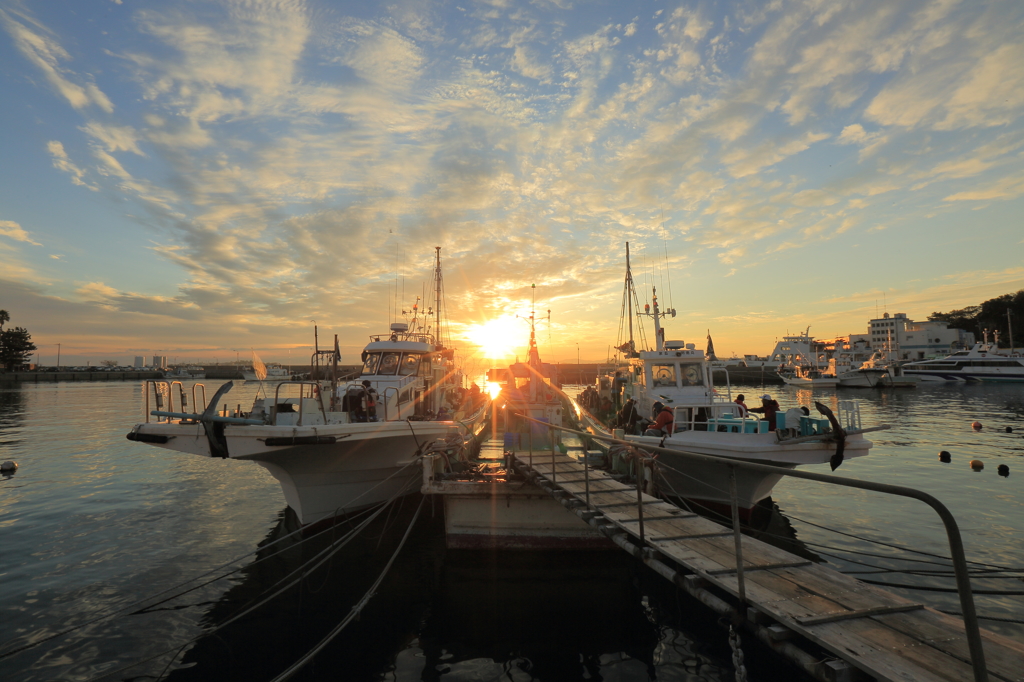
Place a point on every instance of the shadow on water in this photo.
(459, 615)
(12, 414)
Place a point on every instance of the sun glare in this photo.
(498, 338)
(493, 389)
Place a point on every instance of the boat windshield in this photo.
(410, 363)
(370, 363)
(692, 376)
(388, 363)
(663, 375)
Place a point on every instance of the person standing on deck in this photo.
(741, 405)
(769, 407)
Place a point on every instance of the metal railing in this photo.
(963, 581)
(315, 390)
(158, 396)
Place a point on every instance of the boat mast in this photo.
(437, 295)
(659, 333)
(629, 297)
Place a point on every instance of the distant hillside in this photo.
(990, 315)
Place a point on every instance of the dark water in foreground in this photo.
(92, 522)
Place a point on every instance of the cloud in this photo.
(62, 162)
(1008, 187)
(41, 48)
(12, 230)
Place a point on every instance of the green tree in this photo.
(16, 348)
(4, 319)
(990, 315)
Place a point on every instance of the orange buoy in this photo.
(976, 426)
(977, 464)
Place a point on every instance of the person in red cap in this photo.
(769, 407)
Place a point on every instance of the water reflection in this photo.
(12, 414)
(445, 615)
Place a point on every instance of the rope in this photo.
(307, 657)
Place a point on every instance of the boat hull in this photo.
(685, 477)
(367, 463)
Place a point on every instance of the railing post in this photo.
(551, 436)
(737, 535)
(639, 493)
(586, 473)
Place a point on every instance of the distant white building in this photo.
(159, 362)
(140, 362)
(912, 340)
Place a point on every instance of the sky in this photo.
(197, 179)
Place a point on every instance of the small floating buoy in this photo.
(977, 464)
(1009, 429)
(9, 467)
(1003, 470)
(944, 456)
(976, 426)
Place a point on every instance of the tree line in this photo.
(16, 345)
(990, 315)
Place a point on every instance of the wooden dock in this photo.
(880, 634)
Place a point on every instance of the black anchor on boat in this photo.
(839, 433)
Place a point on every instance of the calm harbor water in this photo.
(92, 522)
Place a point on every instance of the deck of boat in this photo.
(880, 633)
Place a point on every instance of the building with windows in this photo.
(140, 362)
(909, 340)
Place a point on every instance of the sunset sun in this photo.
(498, 338)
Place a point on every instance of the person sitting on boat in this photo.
(371, 401)
(793, 419)
(769, 407)
(443, 415)
(741, 405)
(618, 383)
(663, 423)
(628, 417)
(606, 409)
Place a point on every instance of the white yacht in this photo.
(335, 447)
(707, 422)
(983, 362)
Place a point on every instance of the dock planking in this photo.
(884, 635)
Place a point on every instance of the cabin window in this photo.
(692, 376)
(410, 363)
(370, 364)
(663, 375)
(388, 363)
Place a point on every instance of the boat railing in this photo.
(162, 387)
(314, 389)
(956, 545)
(384, 398)
(195, 403)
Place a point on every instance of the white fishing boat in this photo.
(807, 376)
(335, 447)
(983, 362)
(867, 375)
(678, 375)
(186, 372)
(275, 372)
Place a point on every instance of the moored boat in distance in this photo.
(983, 362)
(335, 447)
(275, 372)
